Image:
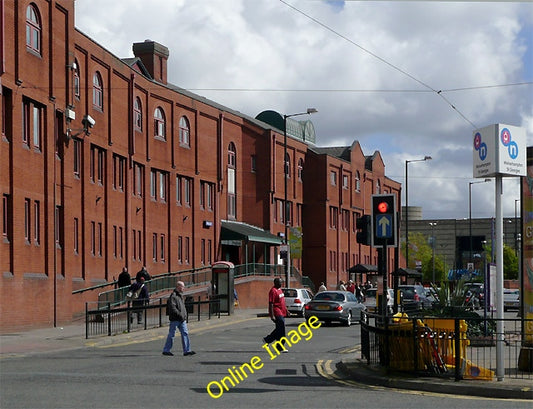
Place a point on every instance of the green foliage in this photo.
(421, 250)
(510, 260)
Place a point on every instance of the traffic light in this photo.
(364, 230)
(383, 220)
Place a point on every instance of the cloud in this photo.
(372, 69)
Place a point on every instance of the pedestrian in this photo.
(139, 297)
(277, 312)
(177, 314)
(359, 293)
(350, 287)
(143, 273)
(322, 287)
(341, 286)
(124, 278)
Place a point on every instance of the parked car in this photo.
(511, 299)
(341, 306)
(478, 289)
(296, 298)
(370, 298)
(414, 297)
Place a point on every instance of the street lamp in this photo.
(470, 211)
(407, 206)
(285, 201)
(433, 224)
(516, 228)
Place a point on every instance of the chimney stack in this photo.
(154, 56)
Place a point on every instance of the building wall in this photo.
(89, 195)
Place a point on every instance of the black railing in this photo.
(105, 319)
(447, 347)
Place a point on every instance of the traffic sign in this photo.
(384, 220)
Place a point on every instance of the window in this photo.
(253, 163)
(76, 81)
(97, 165)
(76, 236)
(98, 92)
(345, 181)
(162, 248)
(178, 190)
(206, 195)
(162, 186)
(32, 124)
(58, 228)
(33, 29)
(37, 221)
(378, 187)
(153, 181)
(333, 217)
(357, 182)
(202, 252)
(7, 113)
(300, 170)
(27, 220)
(119, 167)
(159, 123)
(115, 241)
(186, 250)
(137, 115)
(333, 178)
(232, 199)
(6, 217)
(138, 171)
(77, 157)
(154, 246)
(345, 220)
(137, 245)
(120, 242)
(209, 246)
(184, 132)
(180, 249)
(158, 185)
(187, 186)
(287, 165)
(99, 239)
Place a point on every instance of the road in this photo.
(136, 375)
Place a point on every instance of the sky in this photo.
(408, 79)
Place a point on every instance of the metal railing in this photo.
(105, 319)
(446, 347)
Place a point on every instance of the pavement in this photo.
(69, 337)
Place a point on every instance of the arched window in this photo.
(137, 115)
(159, 123)
(33, 29)
(357, 182)
(287, 165)
(76, 79)
(98, 92)
(184, 132)
(300, 169)
(232, 191)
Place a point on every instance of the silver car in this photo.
(296, 298)
(511, 299)
(341, 306)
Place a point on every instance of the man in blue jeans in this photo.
(277, 312)
(178, 319)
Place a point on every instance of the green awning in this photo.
(237, 231)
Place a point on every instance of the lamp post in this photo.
(433, 224)
(285, 201)
(516, 228)
(470, 212)
(407, 206)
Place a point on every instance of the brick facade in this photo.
(79, 202)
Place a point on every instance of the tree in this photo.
(510, 260)
(420, 250)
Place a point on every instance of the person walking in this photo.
(322, 287)
(140, 297)
(177, 315)
(124, 278)
(277, 312)
(143, 273)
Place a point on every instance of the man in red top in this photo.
(277, 311)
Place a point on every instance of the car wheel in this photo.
(348, 322)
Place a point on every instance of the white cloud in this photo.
(264, 44)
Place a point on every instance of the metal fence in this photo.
(106, 319)
(447, 347)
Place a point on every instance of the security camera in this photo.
(88, 121)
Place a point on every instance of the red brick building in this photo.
(103, 164)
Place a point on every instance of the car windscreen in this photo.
(408, 293)
(288, 292)
(325, 296)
